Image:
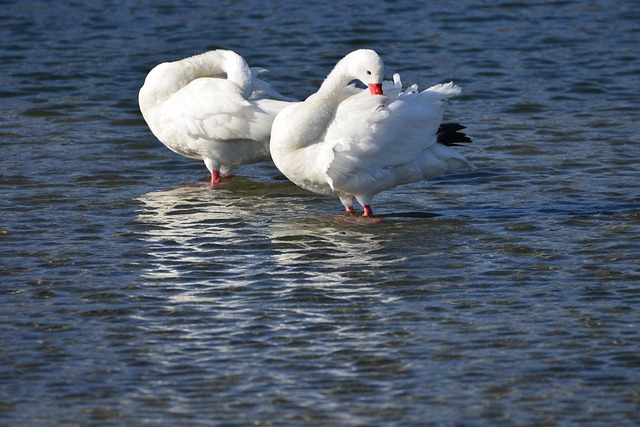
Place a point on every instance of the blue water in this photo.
(132, 294)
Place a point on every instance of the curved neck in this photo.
(314, 115)
(219, 63)
(330, 90)
(168, 78)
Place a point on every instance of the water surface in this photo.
(132, 294)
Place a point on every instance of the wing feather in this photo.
(373, 135)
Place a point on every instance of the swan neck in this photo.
(334, 84)
(313, 116)
(220, 63)
(168, 78)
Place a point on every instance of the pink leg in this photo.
(367, 211)
(215, 177)
(350, 209)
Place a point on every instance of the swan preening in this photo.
(211, 107)
(342, 141)
(355, 143)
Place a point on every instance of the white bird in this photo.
(350, 144)
(211, 107)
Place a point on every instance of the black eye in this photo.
(369, 72)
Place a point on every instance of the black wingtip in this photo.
(449, 134)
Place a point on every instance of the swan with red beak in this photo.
(344, 142)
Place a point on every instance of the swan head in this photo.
(366, 66)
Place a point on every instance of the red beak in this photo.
(375, 88)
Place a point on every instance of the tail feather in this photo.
(449, 135)
(445, 90)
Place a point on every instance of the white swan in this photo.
(348, 143)
(213, 108)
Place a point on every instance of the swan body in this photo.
(211, 107)
(354, 143)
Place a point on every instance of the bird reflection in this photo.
(189, 229)
(325, 252)
(254, 233)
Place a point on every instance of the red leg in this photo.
(215, 177)
(350, 209)
(367, 211)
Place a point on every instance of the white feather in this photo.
(348, 143)
(211, 107)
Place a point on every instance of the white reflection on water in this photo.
(181, 222)
(238, 236)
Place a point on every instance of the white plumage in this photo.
(211, 107)
(353, 144)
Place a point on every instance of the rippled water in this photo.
(131, 294)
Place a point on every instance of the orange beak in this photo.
(375, 88)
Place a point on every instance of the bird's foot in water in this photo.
(217, 177)
(352, 217)
(368, 212)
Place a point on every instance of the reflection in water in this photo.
(325, 254)
(180, 221)
(195, 233)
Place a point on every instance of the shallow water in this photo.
(131, 294)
